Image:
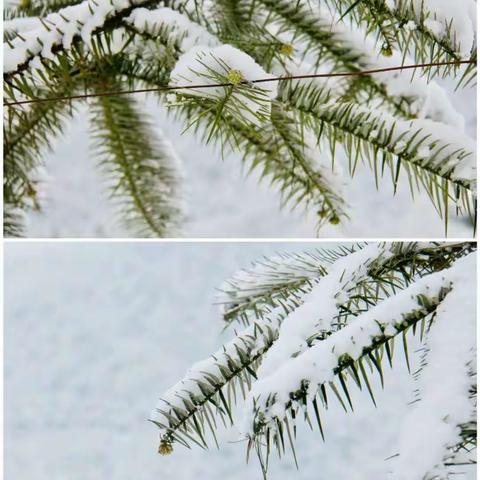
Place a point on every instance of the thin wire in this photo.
(245, 82)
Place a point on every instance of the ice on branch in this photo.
(444, 385)
(270, 396)
(225, 64)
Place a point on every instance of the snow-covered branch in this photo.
(443, 402)
(287, 357)
(58, 31)
(270, 396)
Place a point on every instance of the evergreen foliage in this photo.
(317, 325)
(143, 168)
(290, 131)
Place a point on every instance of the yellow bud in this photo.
(334, 220)
(235, 77)
(323, 213)
(387, 51)
(165, 447)
(287, 49)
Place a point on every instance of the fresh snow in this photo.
(21, 24)
(453, 149)
(461, 15)
(265, 273)
(443, 389)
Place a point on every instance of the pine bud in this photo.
(165, 447)
(334, 220)
(323, 213)
(235, 77)
(287, 49)
(387, 50)
(31, 192)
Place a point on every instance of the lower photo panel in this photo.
(241, 360)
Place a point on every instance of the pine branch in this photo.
(303, 393)
(12, 221)
(317, 35)
(27, 133)
(235, 365)
(270, 282)
(278, 143)
(36, 8)
(50, 40)
(408, 29)
(297, 146)
(265, 150)
(276, 399)
(209, 389)
(143, 167)
(230, 16)
(441, 166)
(250, 32)
(271, 431)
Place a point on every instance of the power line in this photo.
(245, 82)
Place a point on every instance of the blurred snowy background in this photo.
(95, 332)
(222, 200)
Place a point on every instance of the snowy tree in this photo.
(316, 326)
(203, 59)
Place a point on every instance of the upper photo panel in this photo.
(240, 118)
